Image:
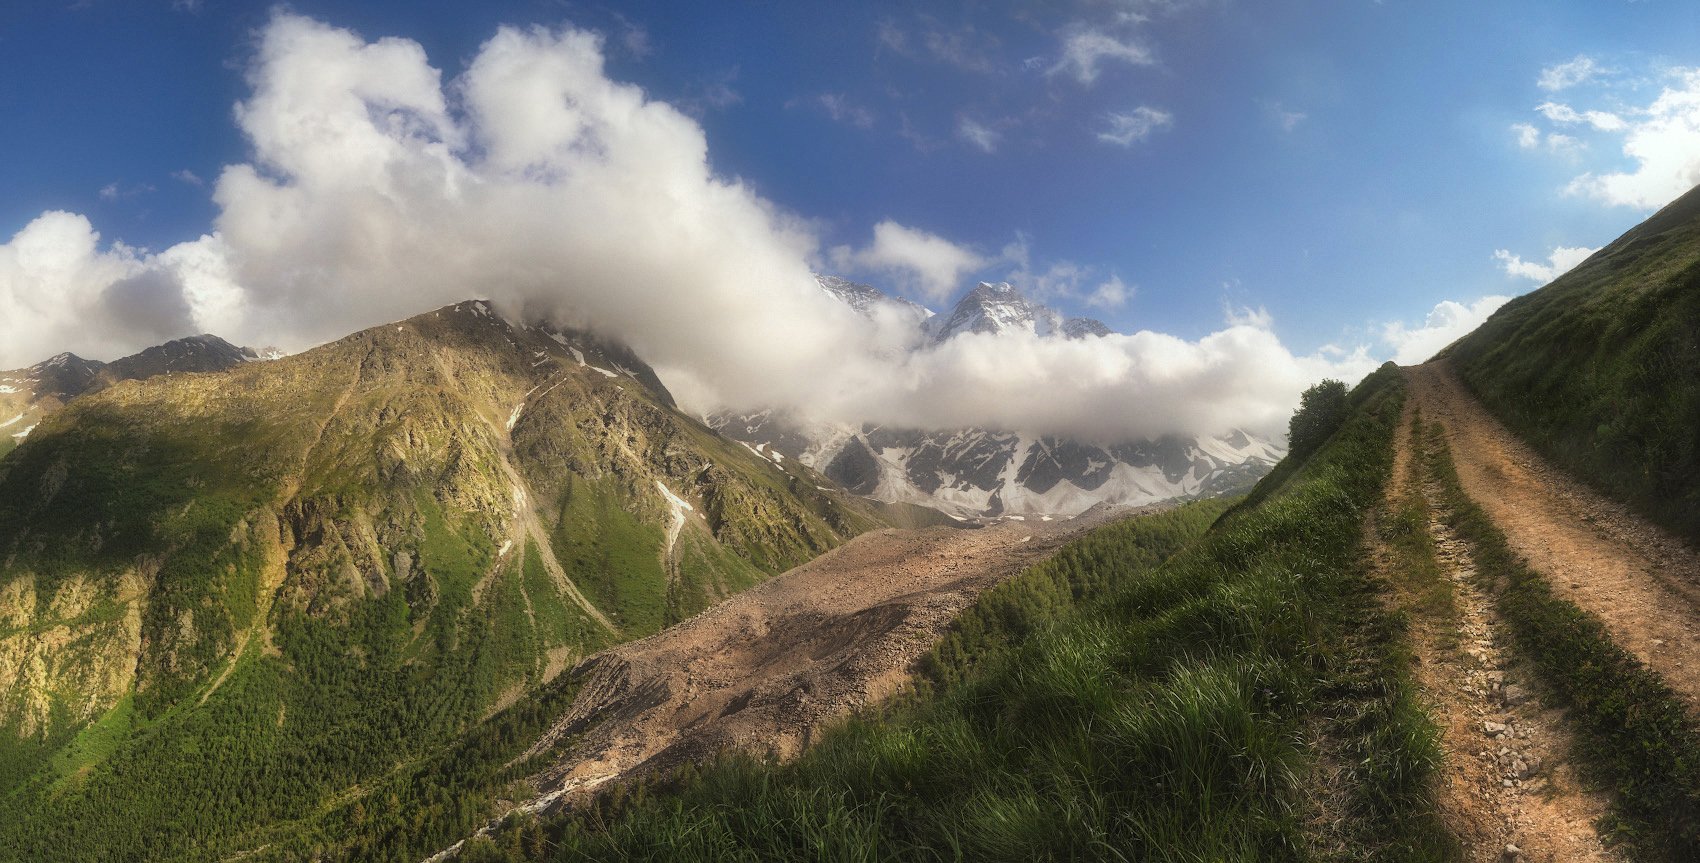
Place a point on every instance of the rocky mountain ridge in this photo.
(29, 394)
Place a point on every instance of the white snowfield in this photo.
(680, 507)
(1126, 485)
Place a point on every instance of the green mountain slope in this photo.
(1155, 692)
(1600, 370)
(227, 600)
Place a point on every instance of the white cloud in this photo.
(1110, 294)
(981, 136)
(965, 47)
(1245, 316)
(1528, 137)
(1564, 144)
(1107, 388)
(62, 291)
(378, 190)
(1062, 280)
(1565, 75)
(1561, 260)
(1604, 121)
(1123, 129)
(926, 265)
(117, 191)
(1085, 50)
(1447, 322)
(1663, 139)
(839, 107)
(187, 176)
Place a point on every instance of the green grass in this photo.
(1633, 734)
(96, 742)
(1600, 370)
(1404, 528)
(1163, 714)
(614, 556)
(1082, 572)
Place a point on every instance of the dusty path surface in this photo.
(1643, 583)
(765, 670)
(1507, 783)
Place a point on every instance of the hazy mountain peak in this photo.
(864, 298)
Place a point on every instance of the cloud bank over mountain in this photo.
(377, 188)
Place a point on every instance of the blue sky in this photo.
(1340, 165)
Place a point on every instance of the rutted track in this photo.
(1507, 782)
(1644, 584)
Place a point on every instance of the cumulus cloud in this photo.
(926, 265)
(1086, 50)
(1108, 388)
(1563, 76)
(1447, 322)
(1562, 260)
(379, 189)
(1123, 129)
(1663, 140)
(63, 291)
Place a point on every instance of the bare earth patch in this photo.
(766, 670)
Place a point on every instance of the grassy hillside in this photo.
(1600, 370)
(1110, 706)
(232, 606)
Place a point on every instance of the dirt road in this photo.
(765, 670)
(1507, 781)
(1644, 584)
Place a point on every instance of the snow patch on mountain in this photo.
(978, 472)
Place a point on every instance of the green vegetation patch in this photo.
(613, 556)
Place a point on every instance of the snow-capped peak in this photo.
(996, 307)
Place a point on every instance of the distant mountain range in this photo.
(27, 395)
(987, 473)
